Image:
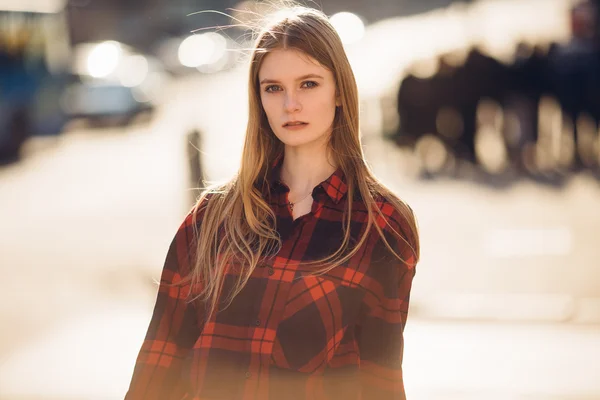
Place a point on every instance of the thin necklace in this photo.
(298, 201)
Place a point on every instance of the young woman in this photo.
(291, 281)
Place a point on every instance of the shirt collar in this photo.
(335, 186)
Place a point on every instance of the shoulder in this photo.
(204, 205)
(395, 213)
(210, 198)
(398, 224)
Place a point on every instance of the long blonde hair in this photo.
(237, 226)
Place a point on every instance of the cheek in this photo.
(321, 100)
(269, 106)
(323, 106)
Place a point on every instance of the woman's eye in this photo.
(311, 84)
(271, 88)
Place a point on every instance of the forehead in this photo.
(289, 63)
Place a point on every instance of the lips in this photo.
(294, 123)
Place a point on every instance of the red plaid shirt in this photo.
(287, 335)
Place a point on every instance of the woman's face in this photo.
(294, 87)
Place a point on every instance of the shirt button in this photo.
(248, 375)
(271, 271)
(257, 322)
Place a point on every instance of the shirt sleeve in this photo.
(381, 326)
(173, 327)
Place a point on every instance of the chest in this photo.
(301, 209)
(289, 317)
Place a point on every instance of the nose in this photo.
(292, 104)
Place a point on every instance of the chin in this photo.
(298, 142)
(298, 139)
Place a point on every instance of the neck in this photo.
(302, 170)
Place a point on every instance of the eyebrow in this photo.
(298, 79)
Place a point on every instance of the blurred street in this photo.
(506, 300)
(87, 218)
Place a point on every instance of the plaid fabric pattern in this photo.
(286, 335)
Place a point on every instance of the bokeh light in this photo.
(133, 70)
(103, 59)
(349, 26)
(202, 49)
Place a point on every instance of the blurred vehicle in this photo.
(34, 54)
(112, 83)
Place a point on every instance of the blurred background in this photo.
(483, 115)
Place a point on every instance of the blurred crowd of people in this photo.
(538, 116)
